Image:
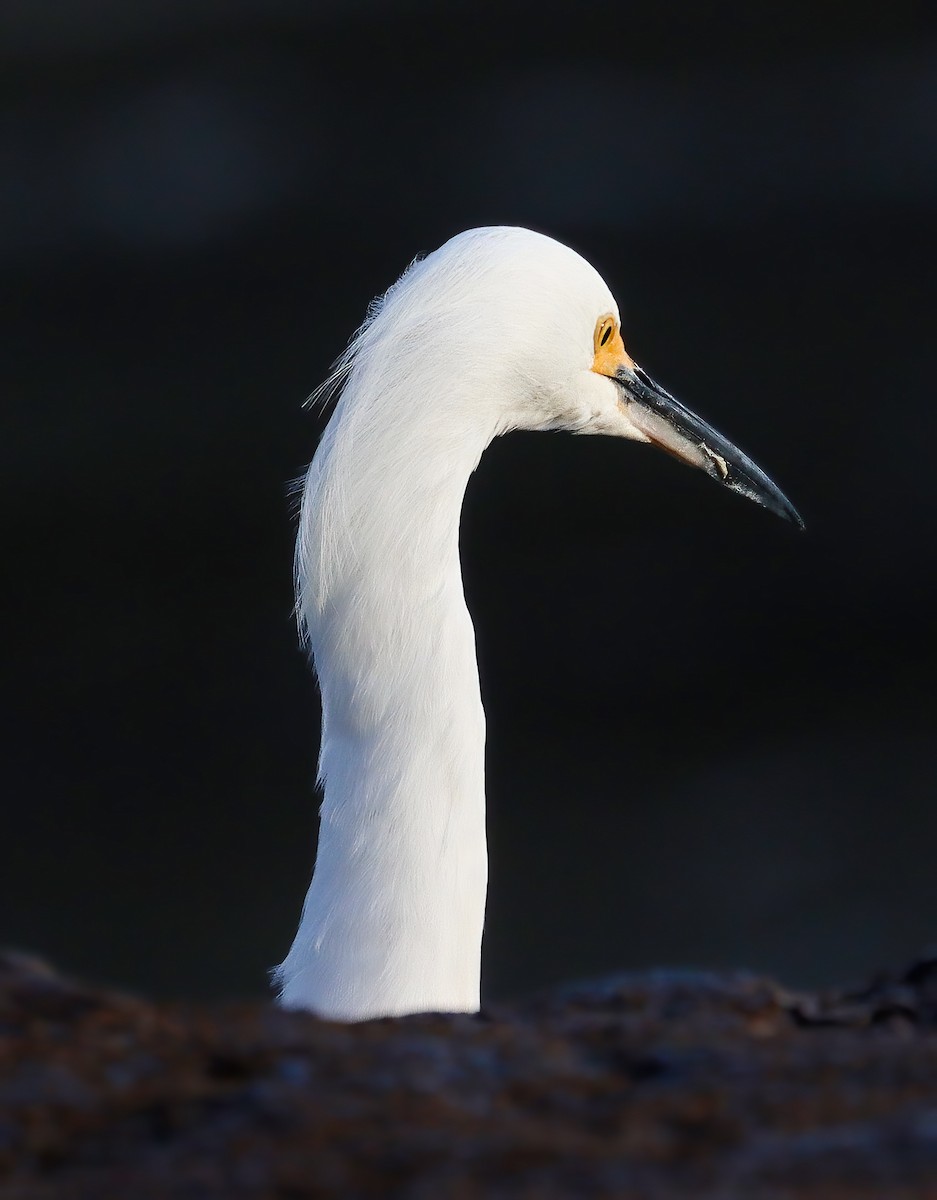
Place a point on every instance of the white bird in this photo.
(499, 329)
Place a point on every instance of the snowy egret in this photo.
(499, 329)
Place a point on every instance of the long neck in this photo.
(393, 919)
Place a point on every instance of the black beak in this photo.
(666, 423)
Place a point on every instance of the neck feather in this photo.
(393, 919)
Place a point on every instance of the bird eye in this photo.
(605, 344)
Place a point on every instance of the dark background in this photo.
(710, 737)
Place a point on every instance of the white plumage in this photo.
(499, 329)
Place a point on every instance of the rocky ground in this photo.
(660, 1085)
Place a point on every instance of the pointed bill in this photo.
(666, 423)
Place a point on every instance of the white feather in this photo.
(492, 332)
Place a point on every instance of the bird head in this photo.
(572, 370)
(527, 323)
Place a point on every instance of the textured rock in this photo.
(657, 1085)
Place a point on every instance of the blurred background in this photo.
(711, 738)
